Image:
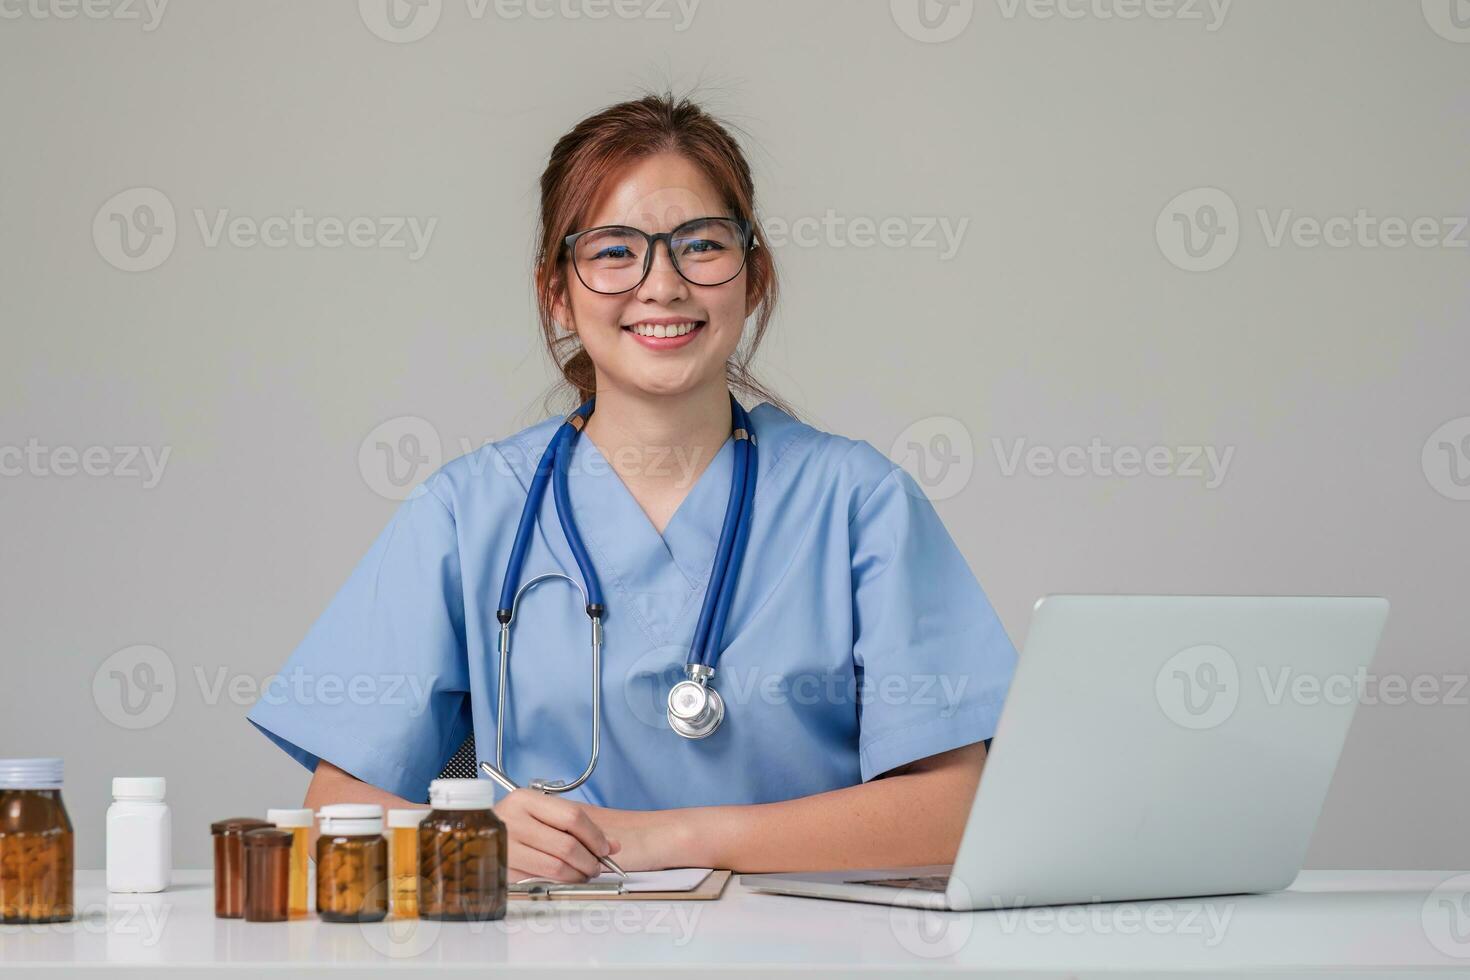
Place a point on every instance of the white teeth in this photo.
(663, 329)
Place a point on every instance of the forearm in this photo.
(914, 816)
(331, 785)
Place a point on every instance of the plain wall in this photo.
(1057, 144)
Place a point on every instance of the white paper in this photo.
(670, 880)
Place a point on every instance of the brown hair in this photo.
(597, 148)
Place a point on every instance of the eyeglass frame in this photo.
(747, 235)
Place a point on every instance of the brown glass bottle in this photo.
(352, 864)
(462, 853)
(229, 864)
(268, 875)
(36, 843)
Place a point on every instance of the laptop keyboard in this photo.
(927, 883)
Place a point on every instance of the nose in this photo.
(663, 284)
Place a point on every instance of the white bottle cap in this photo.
(287, 819)
(352, 819)
(146, 788)
(30, 774)
(461, 794)
(406, 818)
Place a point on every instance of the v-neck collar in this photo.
(654, 580)
(661, 578)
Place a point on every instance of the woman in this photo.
(860, 665)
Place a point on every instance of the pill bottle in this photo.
(298, 822)
(36, 846)
(267, 874)
(229, 864)
(403, 860)
(352, 864)
(139, 831)
(462, 853)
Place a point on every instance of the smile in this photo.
(665, 336)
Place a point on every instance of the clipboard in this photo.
(709, 889)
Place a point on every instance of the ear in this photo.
(752, 301)
(753, 297)
(561, 311)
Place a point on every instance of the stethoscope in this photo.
(695, 709)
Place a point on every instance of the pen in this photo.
(506, 784)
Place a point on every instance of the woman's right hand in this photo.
(551, 838)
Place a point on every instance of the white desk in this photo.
(1387, 921)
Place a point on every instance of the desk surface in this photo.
(1386, 921)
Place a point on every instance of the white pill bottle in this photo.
(139, 835)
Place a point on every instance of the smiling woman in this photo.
(654, 290)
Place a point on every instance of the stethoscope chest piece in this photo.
(695, 708)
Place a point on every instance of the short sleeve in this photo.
(932, 658)
(379, 686)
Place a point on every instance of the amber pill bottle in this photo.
(267, 875)
(298, 822)
(352, 864)
(229, 864)
(36, 845)
(462, 853)
(403, 860)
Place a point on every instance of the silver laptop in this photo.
(1150, 747)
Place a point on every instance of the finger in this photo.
(560, 845)
(568, 817)
(529, 862)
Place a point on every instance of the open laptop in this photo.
(1150, 747)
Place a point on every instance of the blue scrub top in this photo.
(858, 639)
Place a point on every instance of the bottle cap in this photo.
(30, 774)
(406, 818)
(236, 825)
(352, 819)
(290, 818)
(268, 837)
(461, 794)
(138, 788)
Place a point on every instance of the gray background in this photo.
(1060, 318)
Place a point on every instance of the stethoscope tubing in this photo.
(553, 468)
(737, 558)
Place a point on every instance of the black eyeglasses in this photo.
(613, 259)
